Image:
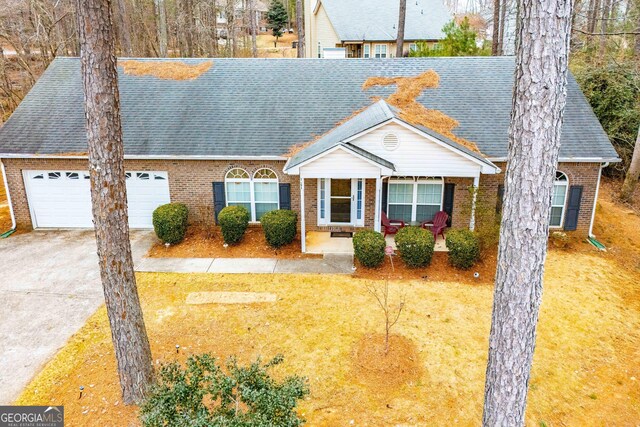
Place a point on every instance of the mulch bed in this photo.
(201, 243)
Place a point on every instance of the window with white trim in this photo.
(258, 194)
(238, 188)
(381, 50)
(414, 200)
(558, 199)
(265, 190)
(366, 51)
(323, 202)
(413, 47)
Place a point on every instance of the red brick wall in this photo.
(584, 174)
(191, 183)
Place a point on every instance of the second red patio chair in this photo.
(438, 224)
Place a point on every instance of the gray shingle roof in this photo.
(262, 107)
(377, 20)
(374, 115)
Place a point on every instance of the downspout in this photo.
(8, 233)
(595, 199)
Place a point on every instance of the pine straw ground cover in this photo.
(200, 243)
(166, 70)
(586, 367)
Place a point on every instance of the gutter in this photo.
(146, 157)
(595, 199)
(9, 232)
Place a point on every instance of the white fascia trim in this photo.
(296, 169)
(316, 7)
(486, 168)
(571, 159)
(140, 157)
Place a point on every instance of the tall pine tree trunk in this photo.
(503, 21)
(124, 25)
(300, 27)
(633, 174)
(161, 27)
(534, 142)
(402, 17)
(253, 28)
(109, 198)
(495, 40)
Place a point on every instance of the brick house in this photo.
(294, 134)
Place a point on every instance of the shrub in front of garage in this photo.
(233, 221)
(415, 246)
(170, 222)
(368, 248)
(464, 248)
(280, 227)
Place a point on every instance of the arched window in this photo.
(238, 188)
(259, 194)
(559, 198)
(265, 190)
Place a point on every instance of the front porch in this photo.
(321, 242)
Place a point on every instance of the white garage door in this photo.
(62, 199)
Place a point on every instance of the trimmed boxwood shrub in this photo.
(415, 246)
(234, 221)
(170, 222)
(280, 227)
(368, 247)
(464, 248)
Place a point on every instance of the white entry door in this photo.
(62, 199)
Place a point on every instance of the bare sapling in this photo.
(391, 311)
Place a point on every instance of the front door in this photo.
(341, 201)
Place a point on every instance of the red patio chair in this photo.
(438, 224)
(391, 226)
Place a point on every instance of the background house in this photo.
(368, 28)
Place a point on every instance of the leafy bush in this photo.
(464, 248)
(170, 222)
(368, 247)
(280, 227)
(415, 246)
(234, 221)
(202, 395)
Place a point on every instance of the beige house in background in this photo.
(368, 28)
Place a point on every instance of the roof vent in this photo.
(390, 141)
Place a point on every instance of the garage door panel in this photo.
(62, 199)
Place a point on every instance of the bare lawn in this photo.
(586, 367)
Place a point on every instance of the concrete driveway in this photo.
(49, 286)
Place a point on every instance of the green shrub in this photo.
(368, 247)
(280, 227)
(170, 222)
(415, 246)
(234, 221)
(203, 394)
(464, 248)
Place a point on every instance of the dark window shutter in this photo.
(219, 201)
(573, 208)
(500, 200)
(385, 193)
(285, 196)
(447, 205)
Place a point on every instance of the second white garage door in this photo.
(62, 199)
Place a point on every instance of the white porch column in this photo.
(378, 205)
(303, 231)
(476, 183)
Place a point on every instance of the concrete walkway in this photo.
(329, 264)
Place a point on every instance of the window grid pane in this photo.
(400, 193)
(426, 212)
(266, 192)
(322, 198)
(359, 200)
(401, 212)
(429, 194)
(263, 208)
(559, 194)
(238, 192)
(556, 216)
